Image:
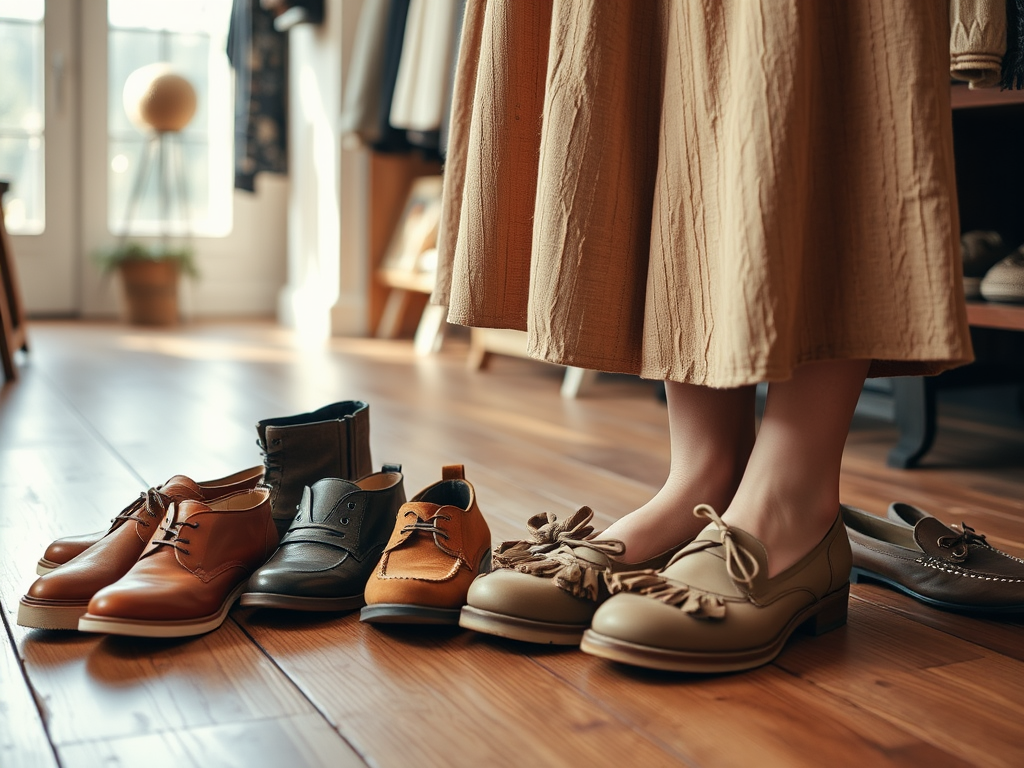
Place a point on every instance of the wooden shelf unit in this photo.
(990, 164)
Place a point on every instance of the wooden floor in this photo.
(103, 411)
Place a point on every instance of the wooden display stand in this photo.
(396, 303)
(12, 313)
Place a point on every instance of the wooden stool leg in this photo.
(12, 314)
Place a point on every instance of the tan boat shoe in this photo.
(439, 544)
(948, 568)
(545, 589)
(713, 608)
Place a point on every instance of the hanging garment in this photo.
(427, 48)
(707, 192)
(259, 56)
(360, 123)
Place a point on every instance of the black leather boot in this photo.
(333, 441)
(332, 545)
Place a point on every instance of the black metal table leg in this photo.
(914, 398)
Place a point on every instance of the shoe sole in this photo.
(999, 294)
(401, 613)
(296, 603)
(825, 615)
(47, 614)
(405, 613)
(44, 566)
(515, 628)
(862, 576)
(111, 625)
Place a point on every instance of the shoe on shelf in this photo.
(333, 441)
(714, 609)
(980, 250)
(545, 589)
(332, 546)
(59, 597)
(64, 549)
(955, 569)
(440, 543)
(191, 572)
(1005, 281)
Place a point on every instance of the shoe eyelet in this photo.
(344, 521)
(351, 505)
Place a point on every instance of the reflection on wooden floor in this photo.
(102, 411)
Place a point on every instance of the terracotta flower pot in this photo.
(150, 291)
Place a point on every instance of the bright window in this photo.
(191, 36)
(21, 114)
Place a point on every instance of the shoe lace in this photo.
(427, 526)
(959, 545)
(172, 535)
(550, 552)
(151, 502)
(741, 566)
(548, 535)
(271, 460)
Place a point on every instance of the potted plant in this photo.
(149, 279)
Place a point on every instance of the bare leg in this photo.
(711, 433)
(789, 494)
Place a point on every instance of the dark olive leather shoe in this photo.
(329, 551)
(333, 441)
(949, 568)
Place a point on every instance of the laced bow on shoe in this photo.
(959, 546)
(741, 566)
(150, 502)
(549, 552)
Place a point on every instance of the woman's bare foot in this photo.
(789, 495)
(711, 432)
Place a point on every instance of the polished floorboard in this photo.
(102, 411)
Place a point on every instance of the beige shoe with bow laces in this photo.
(713, 608)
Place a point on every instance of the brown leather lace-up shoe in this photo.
(948, 568)
(64, 549)
(58, 598)
(546, 589)
(440, 543)
(191, 572)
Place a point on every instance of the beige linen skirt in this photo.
(711, 192)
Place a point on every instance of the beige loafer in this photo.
(713, 607)
(546, 589)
